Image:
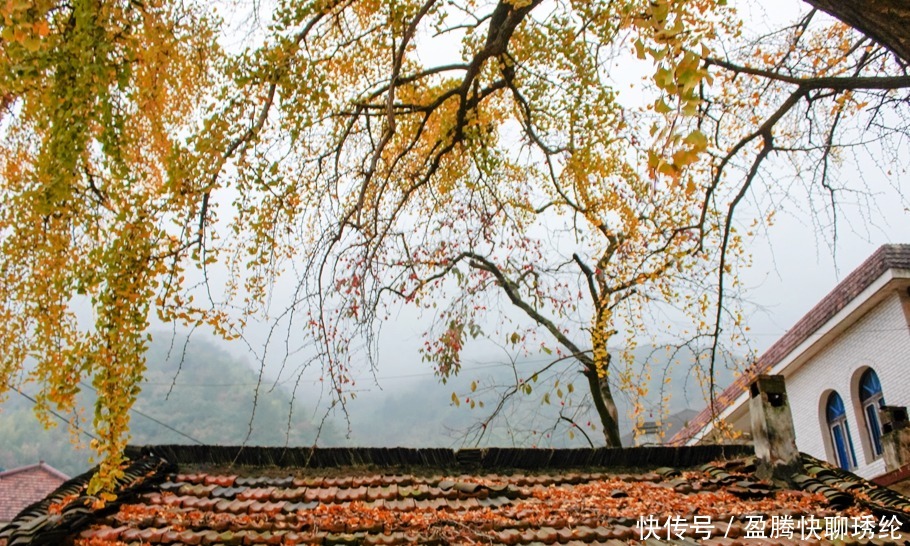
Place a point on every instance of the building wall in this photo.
(880, 340)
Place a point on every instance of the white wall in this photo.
(880, 340)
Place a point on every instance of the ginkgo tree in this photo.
(149, 172)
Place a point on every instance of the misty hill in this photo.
(211, 401)
(419, 411)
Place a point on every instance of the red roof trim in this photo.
(886, 257)
(37, 466)
(889, 478)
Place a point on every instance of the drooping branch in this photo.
(238, 144)
(767, 148)
(764, 131)
(576, 427)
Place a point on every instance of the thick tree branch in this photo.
(885, 21)
(589, 276)
(837, 83)
(511, 290)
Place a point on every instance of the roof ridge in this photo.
(469, 458)
(39, 465)
(210, 508)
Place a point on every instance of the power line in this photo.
(167, 426)
(480, 366)
(154, 420)
(92, 436)
(58, 416)
(361, 378)
(484, 365)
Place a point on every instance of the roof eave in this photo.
(889, 282)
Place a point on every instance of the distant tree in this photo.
(141, 162)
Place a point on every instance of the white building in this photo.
(844, 358)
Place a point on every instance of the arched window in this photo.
(840, 432)
(870, 397)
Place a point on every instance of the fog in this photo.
(797, 259)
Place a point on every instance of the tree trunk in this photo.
(885, 21)
(606, 407)
(596, 372)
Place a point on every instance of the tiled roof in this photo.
(884, 258)
(22, 486)
(194, 495)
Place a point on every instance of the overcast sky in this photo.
(797, 260)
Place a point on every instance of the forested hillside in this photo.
(211, 399)
(211, 402)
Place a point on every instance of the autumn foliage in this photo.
(150, 172)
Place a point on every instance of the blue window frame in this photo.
(840, 432)
(871, 399)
